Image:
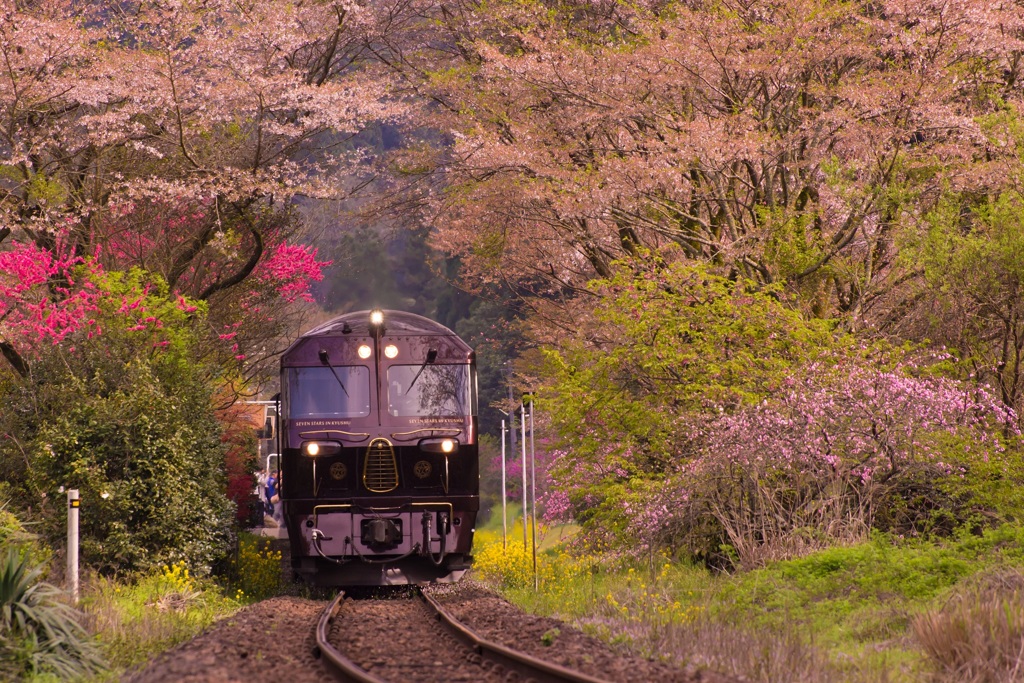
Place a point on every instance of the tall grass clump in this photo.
(977, 636)
(39, 632)
(157, 611)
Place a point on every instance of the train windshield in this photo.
(319, 392)
(429, 390)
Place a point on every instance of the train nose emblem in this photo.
(338, 471)
(380, 469)
(422, 469)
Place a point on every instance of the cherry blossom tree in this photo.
(175, 135)
(787, 142)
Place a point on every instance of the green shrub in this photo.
(127, 418)
(39, 634)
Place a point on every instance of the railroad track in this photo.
(446, 649)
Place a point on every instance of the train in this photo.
(379, 463)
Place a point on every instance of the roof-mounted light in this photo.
(376, 317)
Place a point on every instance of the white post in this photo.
(73, 504)
(533, 497)
(522, 410)
(504, 516)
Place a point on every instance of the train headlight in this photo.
(364, 351)
(446, 446)
(319, 449)
(376, 317)
(391, 351)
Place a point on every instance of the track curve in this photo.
(464, 654)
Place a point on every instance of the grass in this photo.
(136, 618)
(886, 610)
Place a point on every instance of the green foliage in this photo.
(666, 340)
(685, 337)
(157, 459)
(39, 633)
(126, 417)
(990, 489)
(973, 261)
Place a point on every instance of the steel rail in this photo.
(531, 667)
(539, 670)
(339, 666)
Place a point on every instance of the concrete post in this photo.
(73, 504)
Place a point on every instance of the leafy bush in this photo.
(39, 633)
(698, 412)
(157, 458)
(667, 343)
(127, 418)
(14, 536)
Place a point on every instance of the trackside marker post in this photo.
(504, 516)
(526, 508)
(73, 503)
(533, 498)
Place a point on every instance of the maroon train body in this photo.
(378, 438)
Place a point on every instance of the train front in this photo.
(380, 473)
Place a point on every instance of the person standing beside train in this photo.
(278, 513)
(270, 492)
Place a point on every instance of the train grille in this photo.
(380, 470)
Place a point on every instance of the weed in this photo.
(548, 637)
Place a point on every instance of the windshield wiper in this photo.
(326, 360)
(431, 357)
